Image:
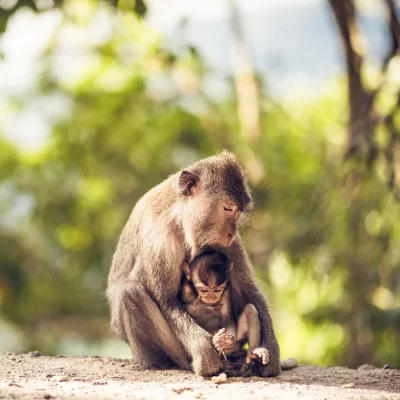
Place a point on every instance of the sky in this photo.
(293, 44)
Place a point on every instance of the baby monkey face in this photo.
(209, 273)
(209, 295)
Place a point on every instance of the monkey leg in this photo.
(249, 327)
(147, 332)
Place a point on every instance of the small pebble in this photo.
(349, 385)
(34, 353)
(290, 363)
(366, 367)
(100, 382)
(59, 379)
(221, 378)
(181, 390)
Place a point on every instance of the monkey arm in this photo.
(225, 339)
(195, 340)
(228, 321)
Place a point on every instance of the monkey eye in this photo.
(228, 209)
(217, 291)
(203, 291)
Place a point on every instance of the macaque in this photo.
(202, 205)
(206, 295)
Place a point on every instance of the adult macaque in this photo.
(200, 206)
(206, 295)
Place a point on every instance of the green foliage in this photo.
(9, 8)
(324, 236)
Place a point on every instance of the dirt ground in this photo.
(33, 376)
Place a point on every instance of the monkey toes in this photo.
(259, 354)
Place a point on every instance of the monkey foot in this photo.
(259, 354)
(229, 367)
(246, 370)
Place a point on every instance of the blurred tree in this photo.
(9, 8)
(246, 83)
(363, 150)
(365, 112)
(324, 235)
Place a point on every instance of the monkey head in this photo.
(209, 274)
(214, 201)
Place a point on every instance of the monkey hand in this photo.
(224, 341)
(259, 354)
(206, 361)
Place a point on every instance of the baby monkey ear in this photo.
(188, 182)
(186, 270)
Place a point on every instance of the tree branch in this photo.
(394, 28)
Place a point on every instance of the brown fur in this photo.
(208, 271)
(170, 224)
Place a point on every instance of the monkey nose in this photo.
(230, 239)
(226, 239)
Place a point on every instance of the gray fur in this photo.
(167, 227)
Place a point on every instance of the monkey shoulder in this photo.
(155, 202)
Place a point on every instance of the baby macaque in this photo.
(206, 295)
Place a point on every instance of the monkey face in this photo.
(214, 196)
(210, 296)
(209, 273)
(228, 214)
(214, 220)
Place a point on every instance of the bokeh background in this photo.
(100, 101)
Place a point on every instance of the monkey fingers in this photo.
(222, 337)
(220, 332)
(224, 341)
(229, 345)
(258, 354)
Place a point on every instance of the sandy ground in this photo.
(32, 376)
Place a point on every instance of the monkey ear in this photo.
(186, 270)
(188, 182)
(230, 266)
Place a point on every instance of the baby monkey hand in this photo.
(224, 341)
